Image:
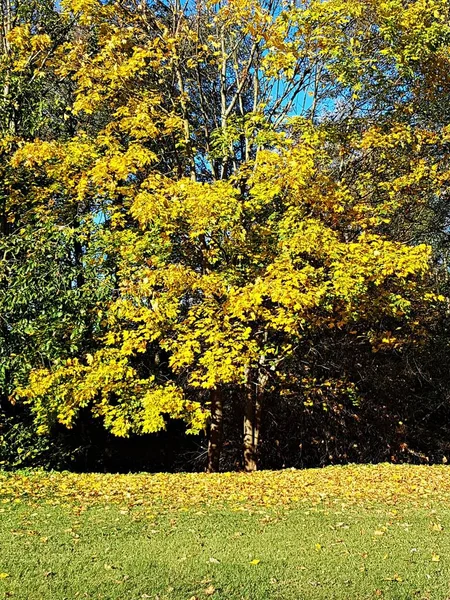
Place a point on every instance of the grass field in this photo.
(335, 533)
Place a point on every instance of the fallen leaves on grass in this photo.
(352, 485)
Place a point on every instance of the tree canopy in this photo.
(212, 209)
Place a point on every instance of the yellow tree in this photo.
(237, 233)
(225, 279)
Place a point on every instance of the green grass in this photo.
(309, 550)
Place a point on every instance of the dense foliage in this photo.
(225, 212)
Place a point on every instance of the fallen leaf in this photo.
(255, 561)
(435, 557)
(395, 577)
(209, 591)
(4, 575)
(214, 560)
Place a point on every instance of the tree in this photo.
(289, 252)
(46, 294)
(235, 234)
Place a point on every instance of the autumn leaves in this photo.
(217, 232)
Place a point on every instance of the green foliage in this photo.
(21, 446)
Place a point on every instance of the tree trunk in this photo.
(250, 429)
(252, 421)
(215, 432)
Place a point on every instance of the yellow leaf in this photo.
(395, 577)
(209, 591)
(255, 561)
(435, 557)
(4, 575)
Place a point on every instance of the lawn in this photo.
(341, 532)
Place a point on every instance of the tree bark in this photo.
(252, 421)
(215, 432)
(250, 428)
